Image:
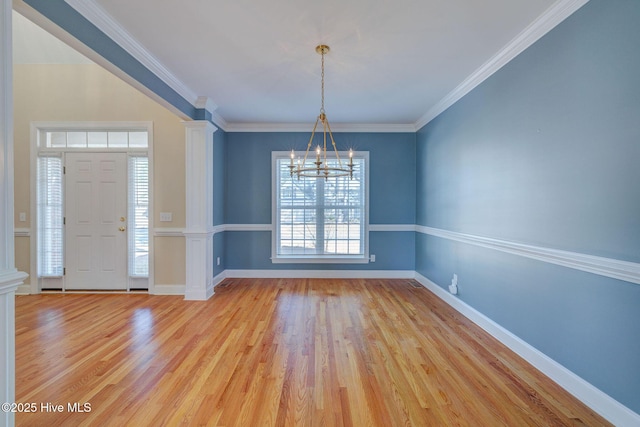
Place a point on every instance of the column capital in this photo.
(10, 280)
(206, 103)
(200, 124)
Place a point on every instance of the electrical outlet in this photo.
(453, 287)
(372, 258)
(218, 261)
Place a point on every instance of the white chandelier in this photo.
(322, 169)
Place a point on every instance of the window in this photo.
(138, 216)
(50, 216)
(320, 220)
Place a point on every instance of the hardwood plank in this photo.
(276, 352)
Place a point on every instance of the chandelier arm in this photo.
(324, 137)
(312, 173)
(313, 132)
(334, 145)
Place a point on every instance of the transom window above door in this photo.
(83, 139)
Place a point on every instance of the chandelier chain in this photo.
(322, 84)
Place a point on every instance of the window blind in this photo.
(50, 216)
(138, 223)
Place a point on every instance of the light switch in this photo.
(166, 216)
(23, 216)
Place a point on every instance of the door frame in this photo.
(37, 129)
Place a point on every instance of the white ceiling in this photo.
(391, 61)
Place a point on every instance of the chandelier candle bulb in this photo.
(291, 166)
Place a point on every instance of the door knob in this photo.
(121, 228)
(122, 219)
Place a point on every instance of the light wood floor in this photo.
(276, 352)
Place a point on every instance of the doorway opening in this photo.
(93, 206)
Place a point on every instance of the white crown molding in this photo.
(105, 23)
(608, 267)
(593, 397)
(553, 16)
(307, 127)
(210, 106)
(219, 121)
(206, 103)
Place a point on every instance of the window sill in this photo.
(315, 259)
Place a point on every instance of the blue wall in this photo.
(219, 188)
(546, 152)
(392, 196)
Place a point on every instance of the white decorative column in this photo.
(10, 278)
(199, 209)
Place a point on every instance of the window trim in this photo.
(316, 258)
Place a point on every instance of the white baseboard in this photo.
(180, 289)
(321, 274)
(198, 294)
(168, 289)
(219, 278)
(602, 403)
(24, 289)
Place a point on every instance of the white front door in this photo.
(95, 211)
